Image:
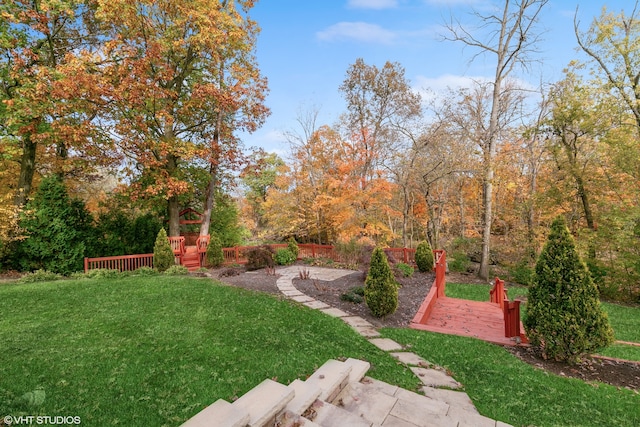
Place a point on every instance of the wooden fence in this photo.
(238, 255)
(121, 263)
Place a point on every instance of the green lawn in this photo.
(154, 351)
(625, 320)
(505, 388)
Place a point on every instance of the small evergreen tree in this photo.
(214, 256)
(163, 256)
(381, 288)
(424, 257)
(292, 245)
(564, 318)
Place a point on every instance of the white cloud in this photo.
(445, 81)
(435, 88)
(453, 2)
(359, 31)
(372, 4)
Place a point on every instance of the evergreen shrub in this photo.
(292, 245)
(163, 256)
(564, 318)
(214, 256)
(57, 229)
(424, 257)
(405, 269)
(381, 288)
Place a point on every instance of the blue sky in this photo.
(306, 46)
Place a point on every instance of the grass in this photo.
(154, 351)
(625, 320)
(505, 388)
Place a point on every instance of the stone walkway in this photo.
(436, 383)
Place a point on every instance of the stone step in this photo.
(305, 394)
(264, 402)
(328, 415)
(359, 369)
(220, 414)
(330, 378)
(338, 394)
(290, 419)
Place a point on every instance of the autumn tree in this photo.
(258, 176)
(611, 42)
(47, 113)
(380, 104)
(183, 78)
(577, 123)
(510, 40)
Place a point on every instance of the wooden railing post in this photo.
(441, 269)
(512, 319)
(497, 294)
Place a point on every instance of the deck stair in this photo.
(340, 394)
(191, 258)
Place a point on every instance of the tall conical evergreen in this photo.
(163, 256)
(381, 288)
(214, 255)
(564, 317)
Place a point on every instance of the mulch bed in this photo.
(410, 295)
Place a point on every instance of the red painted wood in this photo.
(482, 320)
(121, 263)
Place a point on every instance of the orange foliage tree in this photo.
(182, 78)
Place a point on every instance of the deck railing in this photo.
(121, 262)
(510, 309)
(437, 289)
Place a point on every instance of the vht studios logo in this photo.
(46, 420)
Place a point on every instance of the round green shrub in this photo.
(424, 257)
(381, 288)
(214, 256)
(39, 276)
(354, 295)
(564, 317)
(405, 269)
(163, 256)
(284, 257)
(176, 270)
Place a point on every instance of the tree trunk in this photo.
(27, 170)
(483, 271)
(208, 203)
(174, 216)
(173, 207)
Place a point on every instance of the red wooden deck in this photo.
(482, 320)
(496, 321)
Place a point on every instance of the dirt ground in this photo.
(410, 296)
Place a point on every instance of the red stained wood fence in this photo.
(121, 263)
(511, 311)
(235, 255)
(436, 291)
(238, 254)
